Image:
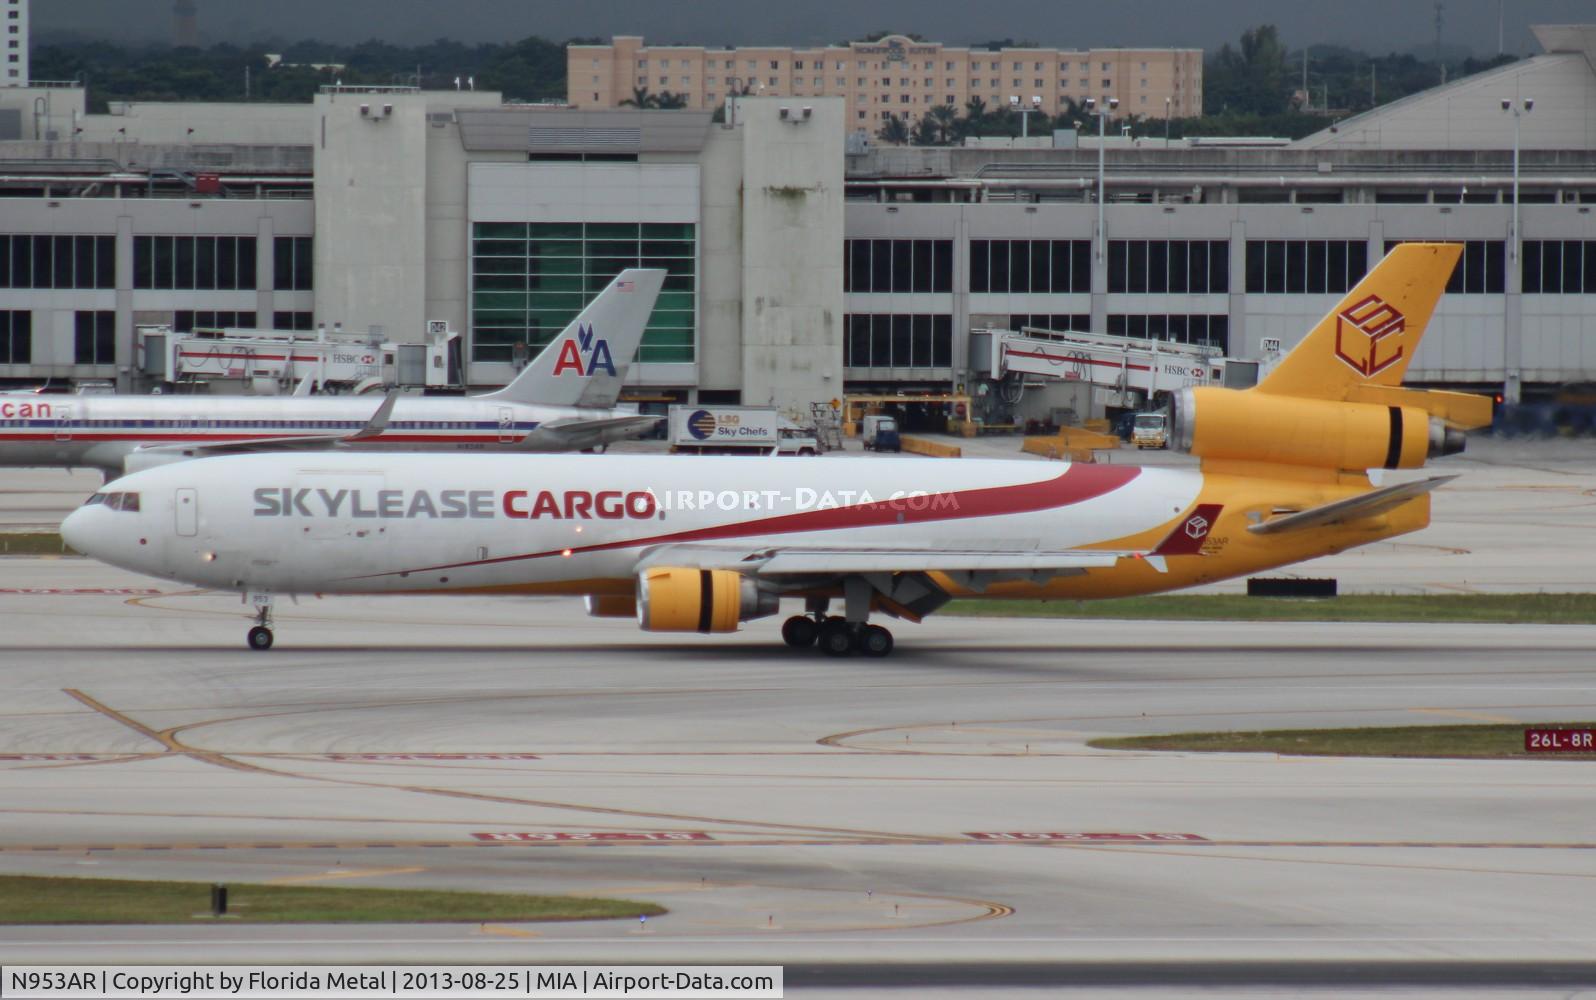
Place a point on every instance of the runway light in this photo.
(566, 553)
(208, 556)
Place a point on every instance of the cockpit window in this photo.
(115, 501)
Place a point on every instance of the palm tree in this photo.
(640, 98)
(667, 99)
(944, 119)
(924, 132)
(893, 131)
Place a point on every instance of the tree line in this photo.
(1252, 88)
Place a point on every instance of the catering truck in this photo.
(723, 429)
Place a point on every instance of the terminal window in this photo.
(1566, 267)
(207, 263)
(57, 261)
(915, 340)
(189, 320)
(1035, 266)
(1195, 267)
(897, 266)
(16, 337)
(1184, 329)
(1482, 270)
(94, 340)
(1305, 267)
(530, 279)
(293, 263)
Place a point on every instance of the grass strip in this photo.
(33, 543)
(1482, 741)
(35, 900)
(1553, 609)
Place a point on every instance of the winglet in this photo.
(379, 420)
(1188, 536)
(303, 388)
(586, 364)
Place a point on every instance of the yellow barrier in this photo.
(935, 449)
(1072, 443)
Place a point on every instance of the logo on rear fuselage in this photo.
(584, 354)
(1360, 330)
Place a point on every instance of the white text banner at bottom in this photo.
(391, 982)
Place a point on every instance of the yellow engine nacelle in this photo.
(1251, 426)
(677, 599)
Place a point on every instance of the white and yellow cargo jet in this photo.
(702, 544)
(563, 400)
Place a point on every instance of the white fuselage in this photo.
(342, 523)
(101, 431)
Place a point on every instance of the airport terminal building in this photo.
(802, 264)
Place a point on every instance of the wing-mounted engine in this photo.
(678, 599)
(1253, 426)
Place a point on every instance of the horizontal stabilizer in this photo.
(586, 432)
(1339, 511)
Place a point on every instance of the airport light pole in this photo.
(1517, 109)
(1025, 113)
(1522, 106)
(1094, 107)
(1167, 104)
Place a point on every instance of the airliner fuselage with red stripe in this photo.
(584, 524)
(101, 431)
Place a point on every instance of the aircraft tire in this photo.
(799, 631)
(836, 639)
(873, 640)
(260, 638)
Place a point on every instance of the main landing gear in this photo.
(260, 637)
(836, 636)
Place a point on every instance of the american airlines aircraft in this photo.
(563, 400)
(702, 544)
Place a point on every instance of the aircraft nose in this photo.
(78, 530)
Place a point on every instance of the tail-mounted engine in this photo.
(676, 599)
(1252, 426)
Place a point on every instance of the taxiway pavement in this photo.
(823, 814)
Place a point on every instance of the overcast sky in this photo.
(1372, 25)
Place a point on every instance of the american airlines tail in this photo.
(587, 363)
(1369, 338)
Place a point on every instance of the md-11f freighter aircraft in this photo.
(564, 400)
(702, 544)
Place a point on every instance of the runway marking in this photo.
(605, 835)
(1457, 713)
(169, 739)
(503, 931)
(77, 591)
(333, 876)
(1201, 846)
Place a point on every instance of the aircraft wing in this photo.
(583, 432)
(1350, 509)
(304, 442)
(813, 561)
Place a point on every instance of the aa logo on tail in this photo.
(1361, 327)
(584, 354)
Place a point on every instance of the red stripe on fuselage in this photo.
(1076, 484)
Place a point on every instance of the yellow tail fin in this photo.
(1370, 336)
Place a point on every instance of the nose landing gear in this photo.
(260, 636)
